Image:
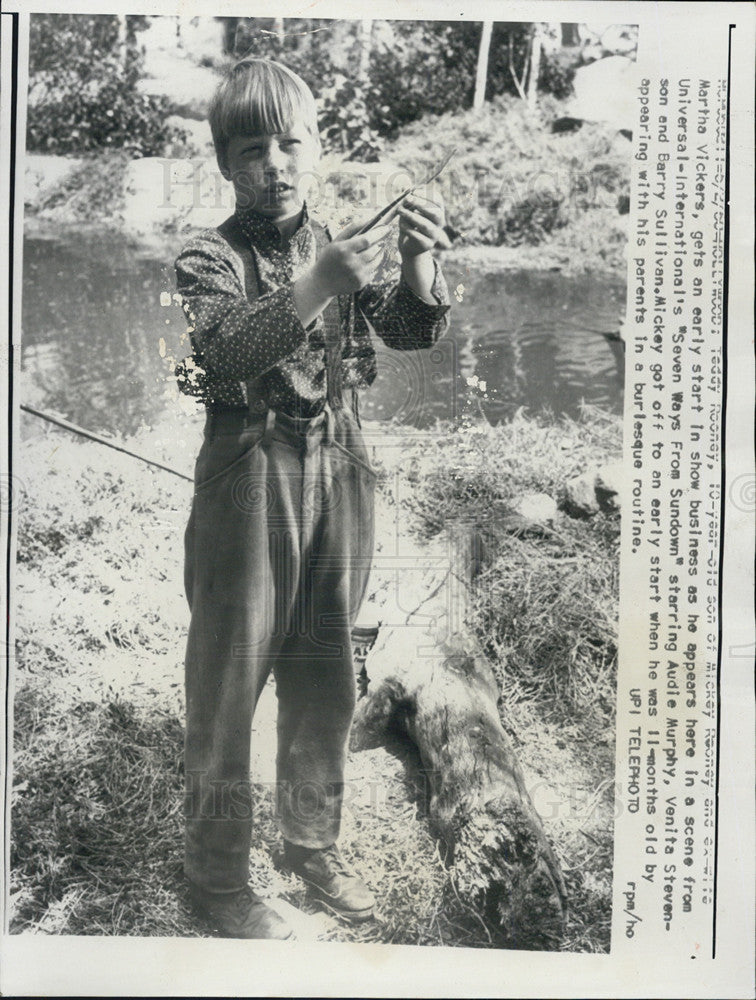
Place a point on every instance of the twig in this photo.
(517, 83)
(428, 597)
(470, 909)
(583, 863)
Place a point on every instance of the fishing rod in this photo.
(98, 439)
(385, 215)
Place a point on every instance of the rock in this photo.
(580, 496)
(165, 193)
(603, 92)
(43, 173)
(535, 508)
(609, 485)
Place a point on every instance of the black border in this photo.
(14, 18)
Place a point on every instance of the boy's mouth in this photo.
(277, 189)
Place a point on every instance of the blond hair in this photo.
(259, 97)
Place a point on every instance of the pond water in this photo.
(93, 322)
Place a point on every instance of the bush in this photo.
(83, 91)
(556, 76)
(426, 71)
(531, 220)
(512, 182)
(345, 121)
(430, 69)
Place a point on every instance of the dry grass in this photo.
(545, 609)
(97, 769)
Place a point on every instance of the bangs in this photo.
(260, 97)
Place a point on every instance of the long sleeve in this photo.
(237, 339)
(400, 317)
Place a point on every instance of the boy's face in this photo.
(266, 169)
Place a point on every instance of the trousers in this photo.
(278, 550)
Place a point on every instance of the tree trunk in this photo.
(536, 47)
(434, 685)
(365, 35)
(123, 37)
(513, 71)
(481, 73)
(570, 34)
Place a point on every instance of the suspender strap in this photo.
(332, 330)
(231, 231)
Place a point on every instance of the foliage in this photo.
(530, 220)
(425, 68)
(346, 122)
(556, 76)
(430, 68)
(83, 92)
(513, 182)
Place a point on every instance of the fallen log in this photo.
(436, 687)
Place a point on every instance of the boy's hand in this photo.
(349, 262)
(421, 226)
(346, 265)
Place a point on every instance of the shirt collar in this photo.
(262, 232)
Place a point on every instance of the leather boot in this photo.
(330, 880)
(239, 914)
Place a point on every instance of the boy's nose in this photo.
(273, 157)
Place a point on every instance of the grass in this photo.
(545, 607)
(98, 832)
(97, 792)
(101, 623)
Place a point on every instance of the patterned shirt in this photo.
(257, 353)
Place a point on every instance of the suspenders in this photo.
(331, 314)
(332, 330)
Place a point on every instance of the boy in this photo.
(280, 535)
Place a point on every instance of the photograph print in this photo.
(317, 481)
